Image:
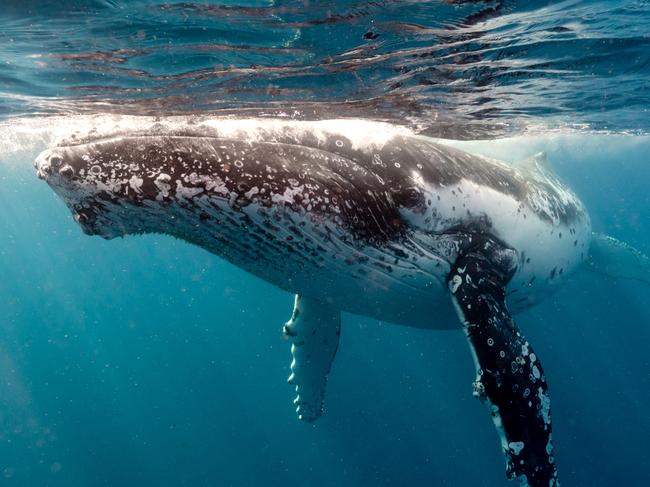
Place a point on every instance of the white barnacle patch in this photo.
(516, 447)
(136, 183)
(193, 178)
(162, 183)
(215, 185)
(455, 282)
(252, 192)
(545, 402)
(288, 195)
(186, 192)
(536, 373)
(549, 445)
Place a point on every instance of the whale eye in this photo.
(408, 197)
(55, 161)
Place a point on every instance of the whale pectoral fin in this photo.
(617, 259)
(510, 379)
(314, 330)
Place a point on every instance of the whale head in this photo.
(186, 182)
(79, 183)
(108, 193)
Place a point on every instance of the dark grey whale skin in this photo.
(346, 199)
(369, 179)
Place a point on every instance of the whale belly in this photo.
(550, 241)
(403, 281)
(406, 296)
(548, 250)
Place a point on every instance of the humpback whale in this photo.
(362, 217)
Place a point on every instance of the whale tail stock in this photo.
(618, 260)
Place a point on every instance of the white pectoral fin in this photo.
(314, 330)
(618, 260)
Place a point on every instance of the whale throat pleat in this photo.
(618, 260)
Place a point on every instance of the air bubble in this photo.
(490, 341)
(339, 143)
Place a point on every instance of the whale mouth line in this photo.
(86, 216)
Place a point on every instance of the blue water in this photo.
(147, 361)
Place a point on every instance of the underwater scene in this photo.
(445, 184)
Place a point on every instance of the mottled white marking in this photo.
(516, 447)
(186, 192)
(136, 183)
(546, 406)
(162, 183)
(454, 283)
(536, 373)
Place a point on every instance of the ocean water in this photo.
(147, 361)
